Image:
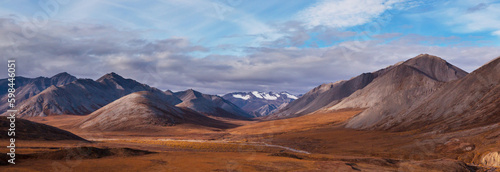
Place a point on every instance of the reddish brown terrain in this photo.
(316, 142)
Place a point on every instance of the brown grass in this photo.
(333, 148)
(301, 123)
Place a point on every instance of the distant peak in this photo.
(111, 75)
(63, 74)
(425, 60)
(426, 57)
(62, 78)
(114, 74)
(435, 67)
(191, 90)
(194, 92)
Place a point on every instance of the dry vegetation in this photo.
(332, 147)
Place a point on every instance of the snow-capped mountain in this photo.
(260, 103)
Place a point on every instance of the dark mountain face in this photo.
(82, 96)
(29, 87)
(210, 104)
(259, 103)
(28, 130)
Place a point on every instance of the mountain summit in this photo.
(436, 68)
(62, 79)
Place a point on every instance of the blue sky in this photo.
(236, 45)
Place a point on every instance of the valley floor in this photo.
(315, 142)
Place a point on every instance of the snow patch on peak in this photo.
(291, 96)
(269, 97)
(257, 94)
(263, 95)
(239, 96)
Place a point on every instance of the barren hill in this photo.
(136, 109)
(142, 110)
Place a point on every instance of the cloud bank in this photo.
(89, 51)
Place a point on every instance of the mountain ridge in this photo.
(29, 87)
(80, 97)
(211, 105)
(260, 103)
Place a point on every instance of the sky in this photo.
(221, 46)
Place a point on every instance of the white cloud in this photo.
(496, 33)
(345, 13)
(466, 16)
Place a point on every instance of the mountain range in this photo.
(422, 92)
(64, 94)
(260, 103)
(80, 97)
(29, 87)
